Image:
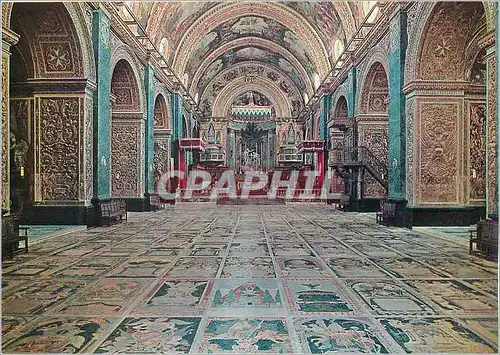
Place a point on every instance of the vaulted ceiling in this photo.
(262, 46)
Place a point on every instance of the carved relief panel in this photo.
(438, 155)
(89, 151)
(492, 131)
(161, 158)
(373, 135)
(126, 143)
(5, 130)
(58, 138)
(477, 151)
(410, 151)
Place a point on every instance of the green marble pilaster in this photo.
(397, 117)
(102, 106)
(177, 126)
(232, 147)
(325, 105)
(149, 129)
(351, 94)
(272, 152)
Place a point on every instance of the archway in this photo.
(372, 125)
(50, 121)
(126, 133)
(339, 124)
(445, 167)
(162, 138)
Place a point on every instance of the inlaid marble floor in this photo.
(200, 278)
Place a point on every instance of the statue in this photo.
(20, 149)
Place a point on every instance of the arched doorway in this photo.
(50, 122)
(372, 127)
(127, 138)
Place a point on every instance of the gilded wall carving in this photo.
(339, 109)
(124, 87)
(5, 131)
(125, 158)
(447, 38)
(410, 152)
(53, 41)
(59, 143)
(372, 188)
(492, 129)
(438, 152)
(376, 91)
(161, 158)
(477, 149)
(160, 117)
(374, 137)
(89, 151)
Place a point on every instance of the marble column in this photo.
(351, 94)
(397, 117)
(102, 107)
(149, 130)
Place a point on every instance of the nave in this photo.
(201, 278)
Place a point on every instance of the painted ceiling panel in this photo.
(299, 40)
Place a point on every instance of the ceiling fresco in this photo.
(252, 71)
(298, 40)
(244, 54)
(255, 27)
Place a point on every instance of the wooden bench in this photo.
(485, 238)
(387, 212)
(114, 211)
(12, 235)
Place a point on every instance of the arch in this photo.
(123, 52)
(444, 49)
(127, 145)
(375, 91)
(255, 69)
(223, 101)
(256, 42)
(424, 11)
(48, 37)
(372, 119)
(340, 110)
(53, 47)
(125, 88)
(340, 92)
(375, 55)
(76, 12)
(161, 114)
(281, 13)
(450, 142)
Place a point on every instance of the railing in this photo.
(362, 156)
